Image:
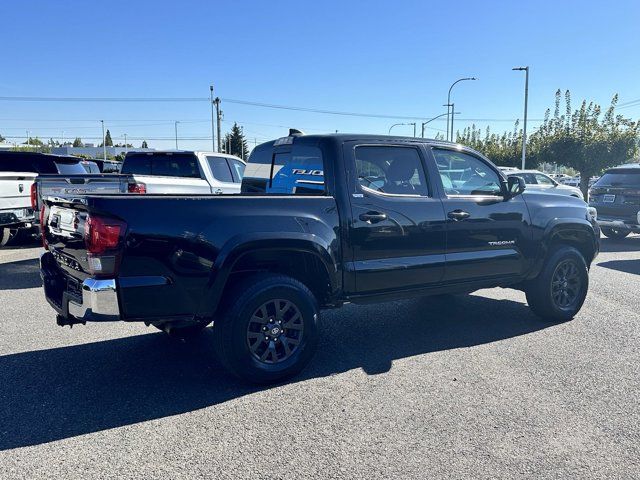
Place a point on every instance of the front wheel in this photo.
(558, 292)
(269, 331)
(615, 232)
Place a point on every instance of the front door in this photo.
(488, 233)
(397, 227)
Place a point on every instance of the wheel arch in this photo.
(315, 261)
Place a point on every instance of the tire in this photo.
(11, 236)
(260, 344)
(558, 292)
(615, 233)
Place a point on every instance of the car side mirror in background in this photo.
(515, 186)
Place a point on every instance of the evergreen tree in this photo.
(78, 143)
(107, 139)
(2, 139)
(144, 144)
(235, 143)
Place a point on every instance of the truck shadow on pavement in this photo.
(57, 393)
(628, 244)
(20, 274)
(627, 266)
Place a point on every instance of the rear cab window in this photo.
(296, 169)
(164, 164)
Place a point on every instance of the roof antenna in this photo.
(294, 132)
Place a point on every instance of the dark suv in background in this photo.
(616, 197)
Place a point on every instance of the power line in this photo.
(238, 102)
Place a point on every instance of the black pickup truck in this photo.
(322, 220)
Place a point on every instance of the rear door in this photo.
(486, 232)
(397, 227)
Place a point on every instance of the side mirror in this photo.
(515, 186)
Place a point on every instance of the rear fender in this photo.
(243, 244)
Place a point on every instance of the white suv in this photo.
(541, 182)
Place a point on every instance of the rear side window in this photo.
(298, 172)
(237, 169)
(390, 170)
(220, 169)
(164, 165)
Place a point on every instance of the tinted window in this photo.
(162, 164)
(390, 170)
(620, 178)
(464, 174)
(91, 167)
(300, 172)
(237, 169)
(70, 168)
(543, 179)
(220, 169)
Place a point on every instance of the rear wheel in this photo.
(559, 291)
(615, 232)
(269, 330)
(11, 236)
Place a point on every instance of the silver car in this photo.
(541, 182)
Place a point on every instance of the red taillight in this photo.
(43, 227)
(34, 196)
(102, 234)
(137, 188)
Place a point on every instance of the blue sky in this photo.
(395, 58)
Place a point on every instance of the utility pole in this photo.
(104, 145)
(63, 138)
(218, 119)
(175, 124)
(526, 101)
(213, 128)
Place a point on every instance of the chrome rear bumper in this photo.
(99, 301)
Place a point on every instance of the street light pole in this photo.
(395, 125)
(213, 128)
(126, 146)
(434, 118)
(526, 101)
(414, 129)
(450, 105)
(176, 128)
(104, 145)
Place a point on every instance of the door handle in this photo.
(218, 191)
(373, 217)
(458, 215)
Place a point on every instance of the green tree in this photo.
(235, 143)
(2, 139)
(78, 143)
(144, 144)
(584, 139)
(107, 139)
(503, 149)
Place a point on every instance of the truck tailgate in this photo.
(70, 185)
(15, 197)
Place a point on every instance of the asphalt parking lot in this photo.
(476, 388)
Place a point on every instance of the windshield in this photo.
(70, 168)
(620, 178)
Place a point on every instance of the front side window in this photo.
(544, 180)
(390, 170)
(220, 169)
(237, 169)
(464, 174)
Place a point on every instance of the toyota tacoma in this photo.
(322, 220)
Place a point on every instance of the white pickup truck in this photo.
(160, 172)
(16, 213)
